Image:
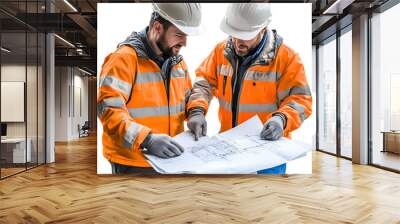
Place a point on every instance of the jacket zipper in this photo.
(168, 83)
(166, 87)
(240, 91)
(224, 85)
(234, 123)
(169, 113)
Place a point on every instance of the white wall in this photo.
(67, 115)
(61, 103)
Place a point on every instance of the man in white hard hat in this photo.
(143, 89)
(251, 73)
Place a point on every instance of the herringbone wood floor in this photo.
(69, 191)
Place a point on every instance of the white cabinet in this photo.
(16, 147)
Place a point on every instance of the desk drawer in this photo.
(392, 142)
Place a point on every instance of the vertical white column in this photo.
(50, 93)
(360, 90)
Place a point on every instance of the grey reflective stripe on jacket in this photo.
(157, 111)
(178, 73)
(131, 134)
(299, 108)
(146, 77)
(116, 84)
(295, 90)
(225, 104)
(251, 108)
(225, 70)
(112, 102)
(267, 76)
(258, 108)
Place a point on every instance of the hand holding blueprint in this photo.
(236, 151)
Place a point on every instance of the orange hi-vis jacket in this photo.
(133, 100)
(274, 82)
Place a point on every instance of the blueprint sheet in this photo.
(236, 151)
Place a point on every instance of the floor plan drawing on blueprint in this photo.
(220, 149)
(239, 150)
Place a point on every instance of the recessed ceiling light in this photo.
(70, 5)
(84, 71)
(5, 50)
(64, 40)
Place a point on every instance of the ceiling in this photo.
(75, 21)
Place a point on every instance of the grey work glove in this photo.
(273, 129)
(197, 124)
(162, 145)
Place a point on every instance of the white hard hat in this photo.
(185, 16)
(245, 20)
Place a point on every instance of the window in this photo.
(385, 85)
(346, 93)
(22, 76)
(327, 96)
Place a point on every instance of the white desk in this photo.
(18, 149)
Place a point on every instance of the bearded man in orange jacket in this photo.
(143, 90)
(251, 73)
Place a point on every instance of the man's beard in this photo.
(243, 53)
(162, 45)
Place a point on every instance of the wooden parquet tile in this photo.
(70, 191)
